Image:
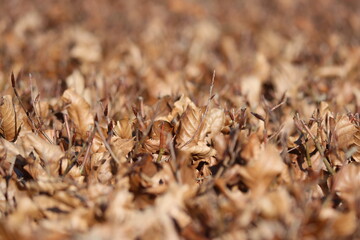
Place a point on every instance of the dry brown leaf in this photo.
(12, 149)
(345, 224)
(49, 153)
(200, 150)
(263, 165)
(151, 145)
(159, 137)
(339, 223)
(191, 126)
(9, 124)
(98, 145)
(186, 173)
(275, 204)
(356, 155)
(79, 112)
(346, 183)
(180, 107)
(104, 171)
(146, 173)
(215, 121)
(87, 46)
(76, 81)
(344, 132)
(121, 147)
(123, 128)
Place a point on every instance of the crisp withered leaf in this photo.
(180, 107)
(191, 126)
(49, 153)
(121, 147)
(344, 132)
(123, 128)
(356, 155)
(9, 123)
(346, 183)
(79, 112)
(149, 169)
(339, 224)
(200, 150)
(215, 121)
(275, 204)
(263, 165)
(87, 47)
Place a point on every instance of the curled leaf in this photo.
(79, 112)
(215, 121)
(49, 153)
(191, 126)
(347, 182)
(9, 122)
(344, 132)
(121, 147)
(356, 155)
(263, 165)
(123, 128)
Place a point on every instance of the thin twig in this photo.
(66, 120)
(87, 153)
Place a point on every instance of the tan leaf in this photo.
(151, 145)
(356, 155)
(215, 120)
(76, 81)
(199, 151)
(8, 153)
(123, 128)
(190, 126)
(347, 182)
(121, 147)
(275, 204)
(160, 128)
(262, 167)
(42, 108)
(186, 173)
(79, 112)
(48, 152)
(87, 46)
(339, 224)
(180, 107)
(345, 224)
(104, 173)
(344, 132)
(160, 135)
(9, 122)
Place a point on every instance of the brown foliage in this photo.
(179, 119)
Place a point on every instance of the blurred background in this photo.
(306, 49)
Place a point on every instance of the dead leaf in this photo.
(10, 123)
(346, 183)
(263, 165)
(49, 153)
(79, 112)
